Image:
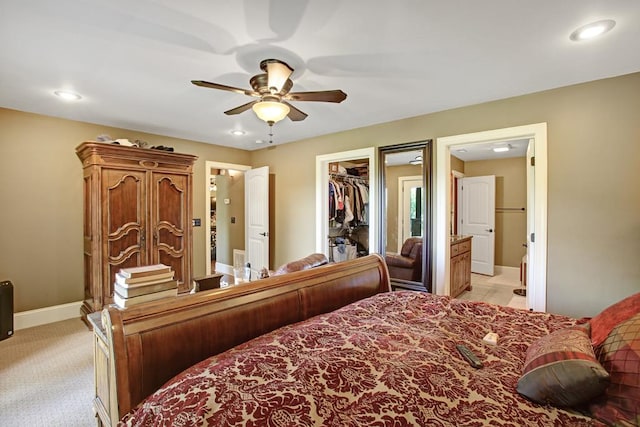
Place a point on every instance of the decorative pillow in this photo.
(561, 369)
(620, 356)
(310, 261)
(608, 318)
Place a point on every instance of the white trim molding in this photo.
(537, 287)
(42, 316)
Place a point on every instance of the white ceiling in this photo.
(132, 61)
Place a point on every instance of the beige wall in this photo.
(392, 175)
(457, 164)
(511, 192)
(41, 193)
(593, 202)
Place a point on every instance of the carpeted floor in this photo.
(46, 376)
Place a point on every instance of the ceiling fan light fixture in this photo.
(277, 74)
(416, 161)
(270, 111)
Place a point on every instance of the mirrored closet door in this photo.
(405, 214)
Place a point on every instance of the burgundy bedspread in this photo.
(389, 360)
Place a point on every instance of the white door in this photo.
(407, 212)
(256, 202)
(478, 214)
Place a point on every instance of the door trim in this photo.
(537, 287)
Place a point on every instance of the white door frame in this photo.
(322, 195)
(537, 287)
(207, 205)
(401, 206)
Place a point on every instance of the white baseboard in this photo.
(224, 268)
(42, 316)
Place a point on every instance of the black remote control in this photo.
(469, 356)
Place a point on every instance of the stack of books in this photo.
(136, 285)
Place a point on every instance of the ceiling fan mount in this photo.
(272, 89)
(260, 83)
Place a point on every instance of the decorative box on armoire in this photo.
(137, 211)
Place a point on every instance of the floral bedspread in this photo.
(389, 360)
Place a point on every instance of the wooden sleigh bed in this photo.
(331, 346)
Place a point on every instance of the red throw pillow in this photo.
(619, 354)
(603, 323)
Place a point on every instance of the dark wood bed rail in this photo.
(151, 343)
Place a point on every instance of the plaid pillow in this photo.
(562, 370)
(607, 319)
(620, 356)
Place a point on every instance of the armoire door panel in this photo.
(169, 208)
(124, 211)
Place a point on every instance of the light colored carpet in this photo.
(46, 376)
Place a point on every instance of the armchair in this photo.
(408, 264)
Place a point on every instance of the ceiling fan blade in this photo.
(241, 109)
(277, 74)
(295, 115)
(323, 96)
(210, 85)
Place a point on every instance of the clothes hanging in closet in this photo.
(348, 201)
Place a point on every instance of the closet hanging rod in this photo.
(510, 209)
(343, 176)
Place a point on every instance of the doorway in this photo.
(217, 220)
(323, 229)
(537, 192)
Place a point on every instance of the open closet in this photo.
(348, 209)
(342, 234)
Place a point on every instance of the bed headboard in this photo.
(152, 342)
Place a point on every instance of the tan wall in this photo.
(593, 220)
(511, 192)
(41, 193)
(593, 205)
(457, 164)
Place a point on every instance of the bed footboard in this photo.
(152, 342)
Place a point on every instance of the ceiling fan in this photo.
(272, 90)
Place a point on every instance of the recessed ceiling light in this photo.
(259, 141)
(67, 95)
(461, 150)
(500, 149)
(237, 132)
(592, 30)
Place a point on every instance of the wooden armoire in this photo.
(137, 211)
